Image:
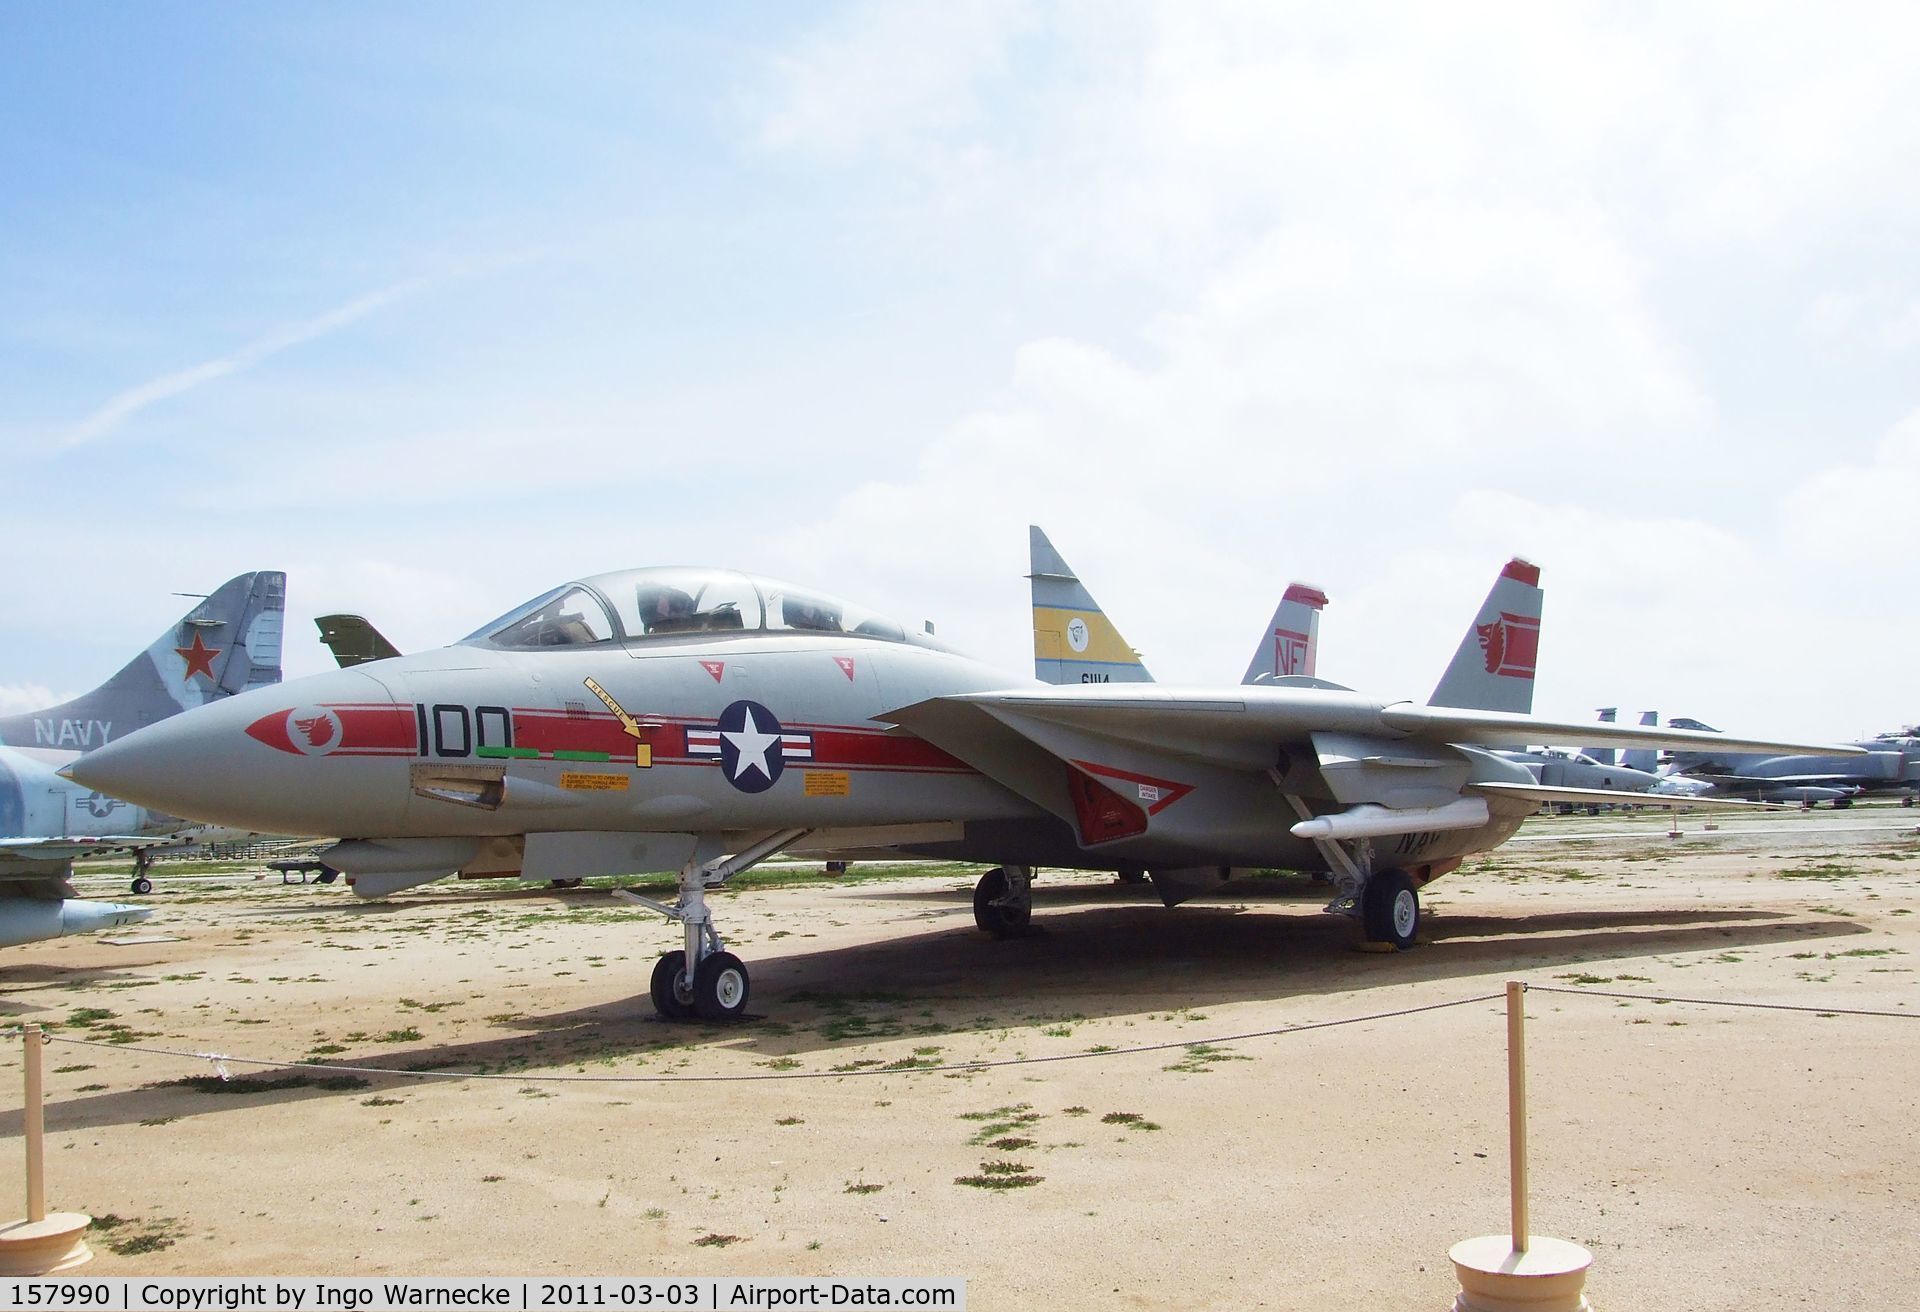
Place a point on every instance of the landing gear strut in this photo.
(703, 979)
(141, 884)
(1003, 901)
(1387, 902)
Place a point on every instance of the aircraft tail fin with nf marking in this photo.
(1073, 640)
(1290, 647)
(1493, 669)
(226, 644)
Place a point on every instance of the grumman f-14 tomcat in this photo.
(701, 721)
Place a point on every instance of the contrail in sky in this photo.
(135, 399)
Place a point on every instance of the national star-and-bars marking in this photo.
(752, 748)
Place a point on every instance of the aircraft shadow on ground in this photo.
(831, 1005)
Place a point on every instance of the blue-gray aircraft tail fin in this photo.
(1644, 758)
(226, 644)
(1493, 669)
(1290, 645)
(1604, 755)
(1073, 640)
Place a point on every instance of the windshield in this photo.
(640, 604)
(566, 617)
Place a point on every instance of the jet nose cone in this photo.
(146, 766)
(298, 758)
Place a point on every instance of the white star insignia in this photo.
(752, 747)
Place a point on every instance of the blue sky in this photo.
(434, 306)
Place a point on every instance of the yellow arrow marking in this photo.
(643, 752)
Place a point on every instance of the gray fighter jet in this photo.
(227, 644)
(700, 721)
(1876, 765)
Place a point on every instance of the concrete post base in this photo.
(1548, 1277)
(38, 1248)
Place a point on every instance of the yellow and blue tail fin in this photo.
(1073, 640)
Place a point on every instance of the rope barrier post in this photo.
(36, 1125)
(1517, 1111)
(1519, 1269)
(41, 1244)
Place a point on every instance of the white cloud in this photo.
(1407, 308)
(1861, 513)
(888, 76)
(17, 698)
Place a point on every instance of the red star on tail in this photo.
(199, 658)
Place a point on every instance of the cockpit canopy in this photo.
(641, 604)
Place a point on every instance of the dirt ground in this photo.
(1710, 1157)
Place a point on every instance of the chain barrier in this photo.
(1722, 1002)
(222, 1061)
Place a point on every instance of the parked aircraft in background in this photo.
(1605, 755)
(1565, 768)
(227, 644)
(1873, 766)
(701, 721)
(353, 641)
(1069, 627)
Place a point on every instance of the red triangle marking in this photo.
(846, 666)
(715, 668)
(1154, 793)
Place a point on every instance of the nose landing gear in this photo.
(703, 980)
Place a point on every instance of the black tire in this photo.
(142, 885)
(668, 998)
(1390, 909)
(328, 876)
(1131, 874)
(721, 987)
(996, 919)
(1842, 803)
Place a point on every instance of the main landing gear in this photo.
(1390, 908)
(702, 979)
(1386, 902)
(1003, 901)
(141, 884)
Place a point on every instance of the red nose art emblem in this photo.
(318, 731)
(303, 731)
